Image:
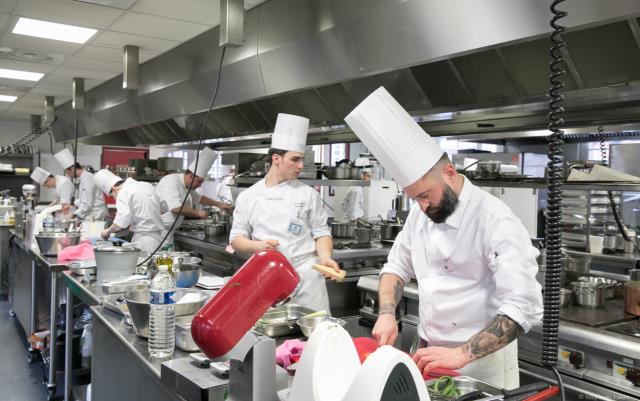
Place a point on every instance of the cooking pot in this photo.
(576, 265)
(566, 297)
(389, 232)
(342, 230)
(113, 262)
(363, 235)
(632, 297)
(588, 294)
(344, 170)
(401, 202)
(214, 230)
(609, 284)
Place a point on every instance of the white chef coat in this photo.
(138, 207)
(171, 192)
(64, 189)
(353, 204)
(223, 190)
(90, 200)
(292, 214)
(475, 265)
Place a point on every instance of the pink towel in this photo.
(82, 251)
(289, 352)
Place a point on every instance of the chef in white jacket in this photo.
(223, 190)
(279, 212)
(471, 256)
(172, 190)
(90, 201)
(353, 202)
(138, 208)
(64, 189)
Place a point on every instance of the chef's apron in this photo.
(499, 368)
(277, 215)
(147, 241)
(96, 214)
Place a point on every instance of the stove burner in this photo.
(628, 329)
(350, 245)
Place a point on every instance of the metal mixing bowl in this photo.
(308, 324)
(50, 243)
(138, 304)
(186, 277)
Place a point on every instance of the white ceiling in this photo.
(156, 26)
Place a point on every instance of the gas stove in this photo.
(628, 329)
(350, 245)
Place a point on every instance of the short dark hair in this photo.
(117, 184)
(275, 151)
(51, 176)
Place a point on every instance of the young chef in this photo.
(279, 212)
(90, 202)
(172, 190)
(353, 202)
(62, 185)
(137, 207)
(471, 256)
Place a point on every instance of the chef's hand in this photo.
(385, 330)
(105, 234)
(202, 214)
(266, 244)
(430, 358)
(329, 263)
(226, 207)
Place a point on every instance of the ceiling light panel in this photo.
(8, 98)
(53, 30)
(23, 75)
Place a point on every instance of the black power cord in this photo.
(202, 131)
(551, 318)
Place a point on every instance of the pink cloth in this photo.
(289, 352)
(81, 251)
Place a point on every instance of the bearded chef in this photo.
(172, 190)
(471, 256)
(279, 212)
(137, 207)
(63, 188)
(90, 201)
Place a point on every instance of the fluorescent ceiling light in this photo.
(23, 75)
(7, 98)
(52, 30)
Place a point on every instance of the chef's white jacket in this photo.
(171, 192)
(291, 213)
(64, 189)
(90, 200)
(138, 206)
(478, 263)
(353, 204)
(223, 190)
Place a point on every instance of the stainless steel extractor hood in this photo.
(465, 66)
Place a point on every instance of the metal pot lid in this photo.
(117, 249)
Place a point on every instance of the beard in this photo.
(447, 206)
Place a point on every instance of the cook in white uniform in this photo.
(471, 256)
(279, 212)
(63, 187)
(90, 201)
(138, 208)
(353, 202)
(172, 190)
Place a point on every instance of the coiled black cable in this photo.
(551, 318)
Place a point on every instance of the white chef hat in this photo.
(65, 158)
(40, 175)
(105, 180)
(290, 133)
(205, 162)
(394, 138)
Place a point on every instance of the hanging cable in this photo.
(195, 168)
(551, 318)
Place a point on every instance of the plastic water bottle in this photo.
(162, 315)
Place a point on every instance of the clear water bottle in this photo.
(162, 314)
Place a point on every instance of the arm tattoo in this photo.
(500, 332)
(390, 308)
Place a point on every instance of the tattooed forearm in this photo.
(500, 332)
(390, 293)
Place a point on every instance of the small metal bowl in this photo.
(308, 324)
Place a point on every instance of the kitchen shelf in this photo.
(624, 258)
(242, 181)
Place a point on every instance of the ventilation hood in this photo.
(463, 67)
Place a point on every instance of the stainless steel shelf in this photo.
(334, 183)
(541, 183)
(626, 258)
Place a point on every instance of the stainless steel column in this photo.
(32, 308)
(51, 385)
(68, 345)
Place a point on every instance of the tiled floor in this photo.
(19, 381)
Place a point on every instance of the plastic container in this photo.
(162, 315)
